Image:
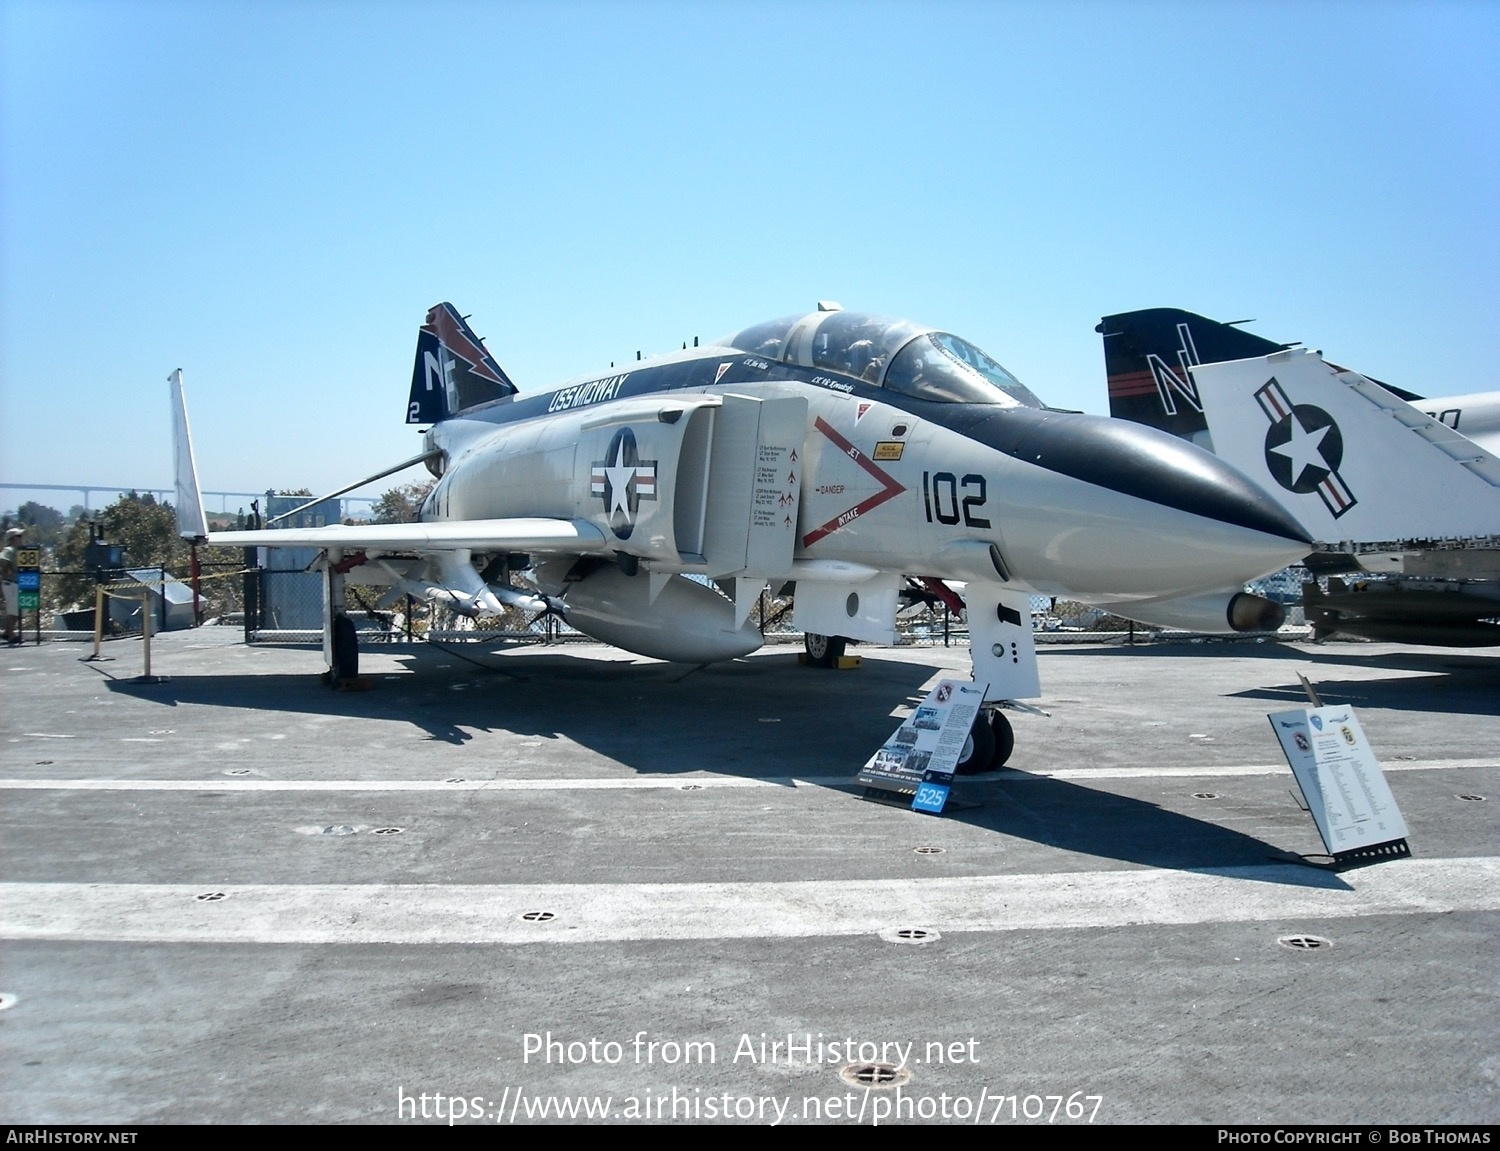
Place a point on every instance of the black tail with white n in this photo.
(1147, 357)
(453, 369)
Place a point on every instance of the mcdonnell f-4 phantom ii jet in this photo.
(847, 458)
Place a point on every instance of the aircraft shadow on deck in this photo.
(1071, 817)
(767, 718)
(754, 718)
(1351, 655)
(1438, 694)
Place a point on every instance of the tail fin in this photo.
(453, 369)
(1147, 357)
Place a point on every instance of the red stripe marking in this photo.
(1132, 384)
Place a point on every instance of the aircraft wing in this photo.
(520, 535)
(442, 571)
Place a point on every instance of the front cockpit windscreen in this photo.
(940, 366)
(895, 354)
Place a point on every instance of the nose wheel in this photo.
(979, 748)
(989, 745)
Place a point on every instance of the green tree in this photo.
(44, 526)
(401, 505)
(72, 586)
(147, 530)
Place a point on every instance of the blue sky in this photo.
(270, 195)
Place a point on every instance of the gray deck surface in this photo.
(717, 885)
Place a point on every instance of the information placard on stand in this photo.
(1345, 790)
(919, 758)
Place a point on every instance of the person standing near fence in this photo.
(11, 592)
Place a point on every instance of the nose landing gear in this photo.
(989, 745)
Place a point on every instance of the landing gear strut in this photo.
(345, 651)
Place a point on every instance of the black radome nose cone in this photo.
(1142, 462)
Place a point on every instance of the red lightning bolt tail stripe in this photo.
(450, 329)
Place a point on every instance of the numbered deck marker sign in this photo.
(28, 578)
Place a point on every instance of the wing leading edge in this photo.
(442, 570)
(545, 535)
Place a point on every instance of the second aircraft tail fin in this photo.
(192, 524)
(1148, 357)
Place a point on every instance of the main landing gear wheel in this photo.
(979, 748)
(823, 650)
(345, 650)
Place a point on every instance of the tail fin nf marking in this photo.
(1148, 360)
(1169, 382)
(448, 326)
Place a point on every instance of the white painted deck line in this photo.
(592, 913)
(673, 783)
(678, 781)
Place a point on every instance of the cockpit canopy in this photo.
(894, 354)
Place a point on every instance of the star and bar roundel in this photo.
(1304, 449)
(622, 480)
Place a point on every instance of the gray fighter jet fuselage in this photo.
(836, 455)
